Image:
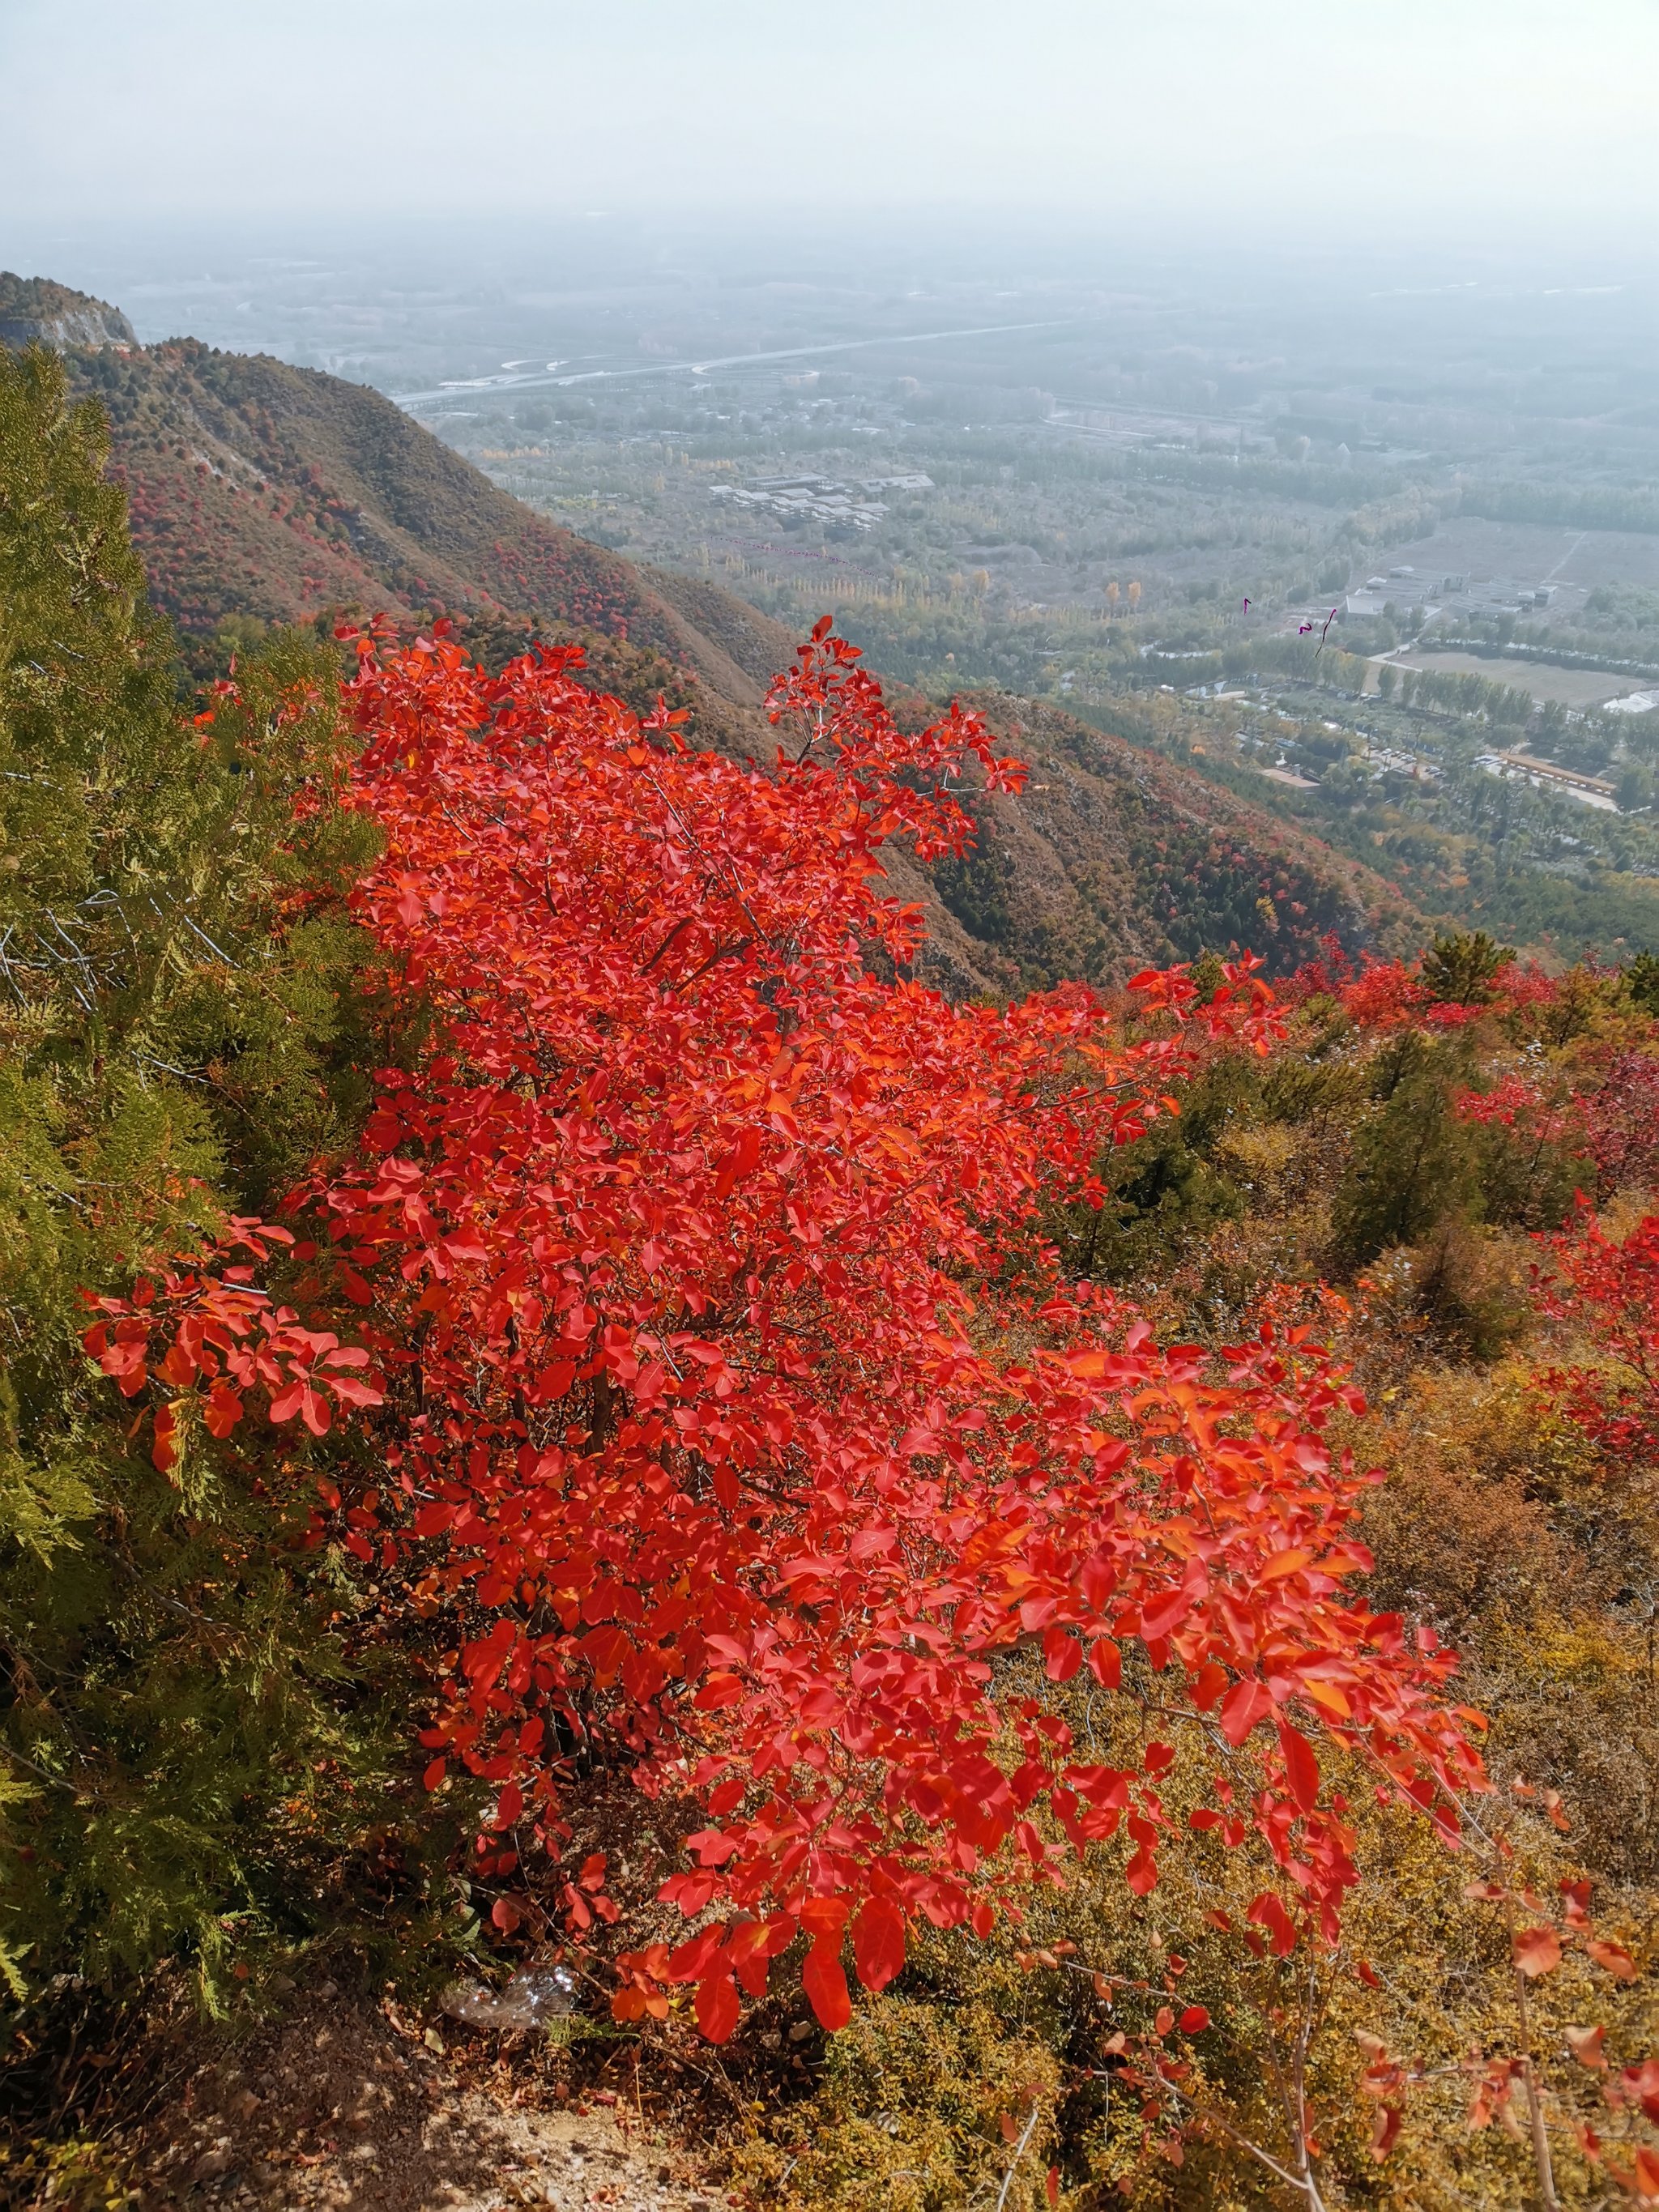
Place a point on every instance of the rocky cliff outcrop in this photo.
(34, 308)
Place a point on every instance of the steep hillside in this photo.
(1113, 859)
(259, 490)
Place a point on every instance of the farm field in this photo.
(1566, 687)
(1576, 561)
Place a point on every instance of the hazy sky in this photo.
(1367, 117)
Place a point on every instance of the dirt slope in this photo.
(340, 2101)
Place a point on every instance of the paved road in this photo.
(552, 380)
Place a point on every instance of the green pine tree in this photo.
(182, 1009)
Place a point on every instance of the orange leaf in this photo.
(1537, 1951)
(1613, 1958)
(165, 1450)
(1385, 2130)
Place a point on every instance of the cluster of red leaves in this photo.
(1392, 995)
(1604, 1112)
(1522, 1103)
(1609, 1292)
(1621, 1118)
(737, 1414)
(224, 1337)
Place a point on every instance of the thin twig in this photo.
(1013, 2164)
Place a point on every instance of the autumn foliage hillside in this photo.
(262, 494)
(1049, 1593)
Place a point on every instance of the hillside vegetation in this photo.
(1046, 1595)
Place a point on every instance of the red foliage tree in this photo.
(738, 1418)
(1609, 1292)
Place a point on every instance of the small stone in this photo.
(213, 2162)
(330, 1990)
(800, 2031)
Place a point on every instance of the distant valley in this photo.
(263, 493)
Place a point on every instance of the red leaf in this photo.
(717, 2007)
(287, 1403)
(1051, 2184)
(879, 1942)
(693, 1959)
(1063, 1655)
(825, 1918)
(741, 1160)
(825, 1985)
(1194, 2020)
(1244, 1704)
(1268, 1911)
(1301, 1767)
(1641, 2082)
(350, 1392)
(1160, 1619)
(222, 1411)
